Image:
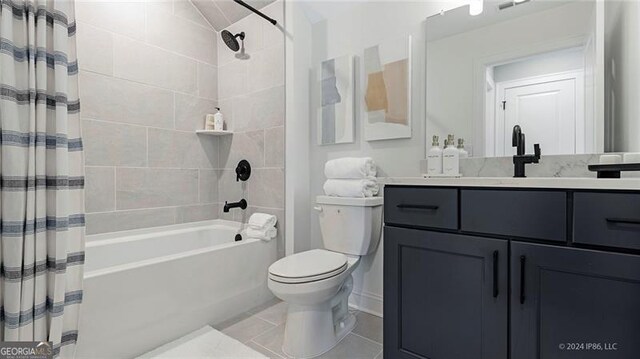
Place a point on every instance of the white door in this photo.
(549, 109)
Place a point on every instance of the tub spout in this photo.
(240, 204)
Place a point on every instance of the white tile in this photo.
(353, 347)
(275, 314)
(196, 213)
(213, 14)
(122, 17)
(100, 189)
(266, 188)
(150, 187)
(242, 145)
(125, 220)
(186, 10)
(207, 81)
(95, 49)
(134, 60)
(176, 34)
(274, 147)
(208, 186)
(109, 99)
(259, 110)
(114, 144)
(273, 35)
(266, 69)
(232, 79)
(191, 112)
(178, 149)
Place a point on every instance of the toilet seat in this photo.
(308, 266)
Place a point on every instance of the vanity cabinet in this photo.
(486, 289)
(445, 294)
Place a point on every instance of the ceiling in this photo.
(222, 13)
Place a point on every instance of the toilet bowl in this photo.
(316, 284)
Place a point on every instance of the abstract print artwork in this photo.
(387, 90)
(335, 111)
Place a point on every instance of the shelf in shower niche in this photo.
(214, 133)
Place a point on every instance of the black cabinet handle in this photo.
(495, 274)
(523, 261)
(624, 221)
(417, 206)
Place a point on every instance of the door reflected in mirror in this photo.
(548, 66)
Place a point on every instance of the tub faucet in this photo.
(240, 204)
(521, 159)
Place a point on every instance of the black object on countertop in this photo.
(613, 170)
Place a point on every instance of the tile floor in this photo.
(263, 328)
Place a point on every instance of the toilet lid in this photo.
(308, 266)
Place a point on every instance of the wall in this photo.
(622, 75)
(147, 77)
(546, 64)
(350, 30)
(251, 96)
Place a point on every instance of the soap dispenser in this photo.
(434, 158)
(450, 158)
(461, 150)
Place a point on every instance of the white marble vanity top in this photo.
(531, 182)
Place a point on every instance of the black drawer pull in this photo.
(623, 221)
(495, 274)
(418, 206)
(523, 260)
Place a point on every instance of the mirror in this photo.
(565, 71)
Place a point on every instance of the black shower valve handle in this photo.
(243, 171)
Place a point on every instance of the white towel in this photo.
(265, 235)
(350, 167)
(351, 187)
(262, 221)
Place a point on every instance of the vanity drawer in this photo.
(607, 219)
(517, 213)
(421, 206)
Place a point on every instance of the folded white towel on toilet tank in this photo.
(351, 187)
(350, 167)
(264, 234)
(262, 221)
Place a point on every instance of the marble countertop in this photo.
(531, 182)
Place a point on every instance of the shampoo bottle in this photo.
(434, 158)
(450, 158)
(218, 122)
(463, 152)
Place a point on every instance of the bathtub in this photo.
(144, 288)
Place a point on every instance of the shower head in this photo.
(230, 39)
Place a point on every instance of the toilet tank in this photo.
(350, 225)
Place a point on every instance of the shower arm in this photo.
(274, 22)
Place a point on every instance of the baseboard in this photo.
(367, 302)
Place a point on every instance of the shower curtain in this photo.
(41, 169)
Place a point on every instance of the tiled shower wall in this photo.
(150, 71)
(147, 77)
(251, 96)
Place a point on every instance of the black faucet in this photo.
(240, 204)
(521, 159)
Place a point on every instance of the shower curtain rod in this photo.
(256, 11)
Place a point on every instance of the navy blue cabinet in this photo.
(559, 280)
(570, 303)
(445, 295)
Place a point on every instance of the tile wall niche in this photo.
(149, 72)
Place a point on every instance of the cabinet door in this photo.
(569, 303)
(445, 295)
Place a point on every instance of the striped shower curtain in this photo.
(41, 169)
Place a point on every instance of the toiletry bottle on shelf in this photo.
(434, 158)
(209, 123)
(450, 158)
(463, 152)
(218, 122)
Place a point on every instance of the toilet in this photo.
(316, 284)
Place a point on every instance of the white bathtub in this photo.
(144, 288)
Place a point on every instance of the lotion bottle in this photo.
(434, 158)
(450, 158)
(463, 152)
